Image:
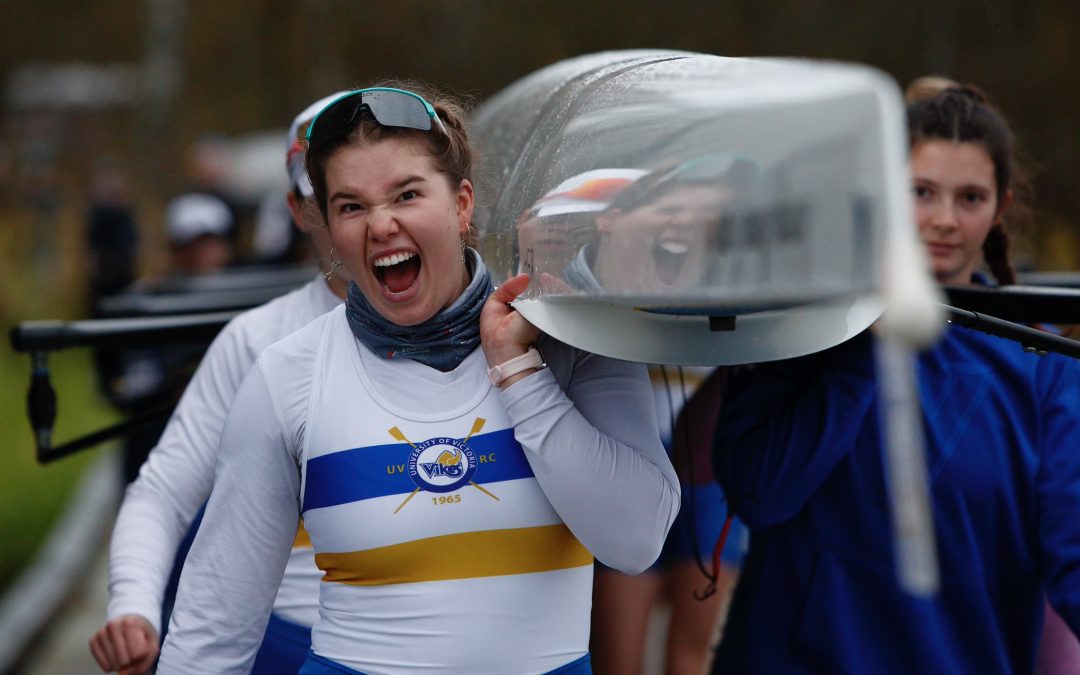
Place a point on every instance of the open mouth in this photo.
(397, 272)
(669, 257)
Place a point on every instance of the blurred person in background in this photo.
(200, 229)
(799, 453)
(112, 243)
(655, 235)
(688, 401)
(165, 502)
(112, 236)
(140, 380)
(208, 169)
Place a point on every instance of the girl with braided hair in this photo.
(956, 113)
(953, 134)
(798, 451)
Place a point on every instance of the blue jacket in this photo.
(798, 452)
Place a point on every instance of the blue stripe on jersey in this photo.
(382, 470)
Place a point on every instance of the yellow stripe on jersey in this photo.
(468, 555)
(302, 539)
(691, 379)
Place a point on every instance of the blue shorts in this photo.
(284, 648)
(317, 665)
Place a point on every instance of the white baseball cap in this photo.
(586, 192)
(294, 147)
(191, 216)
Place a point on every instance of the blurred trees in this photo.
(249, 65)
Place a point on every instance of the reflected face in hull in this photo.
(660, 246)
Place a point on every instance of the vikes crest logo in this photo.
(442, 464)
(448, 464)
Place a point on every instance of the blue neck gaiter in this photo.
(442, 342)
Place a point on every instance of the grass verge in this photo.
(32, 495)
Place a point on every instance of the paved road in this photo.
(63, 649)
(61, 591)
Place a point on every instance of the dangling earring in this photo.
(335, 265)
(462, 251)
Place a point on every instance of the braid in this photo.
(996, 253)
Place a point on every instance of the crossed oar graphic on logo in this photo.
(477, 426)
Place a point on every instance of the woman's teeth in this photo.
(393, 259)
(674, 247)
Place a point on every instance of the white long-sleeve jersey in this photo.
(176, 479)
(455, 522)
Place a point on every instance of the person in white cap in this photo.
(174, 483)
(199, 228)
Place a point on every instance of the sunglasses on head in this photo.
(389, 107)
